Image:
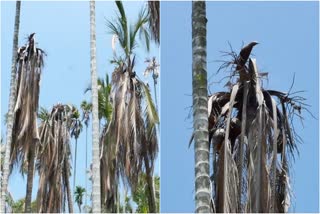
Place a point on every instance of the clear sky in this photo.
(62, 30)
(288, 36)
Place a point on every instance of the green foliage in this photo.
(105, 107)
(140, 196)
(126, 205)
(127, 34)
(86, 111)
(79, 193)
(19, 205)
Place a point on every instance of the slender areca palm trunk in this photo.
(30, 178)
(200, 106)
(96, 194)
(12, 96)
(86, 193)
(75, 165)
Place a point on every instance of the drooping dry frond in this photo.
(248, 132)
(53, 161)
(154, 19)
(25, 132)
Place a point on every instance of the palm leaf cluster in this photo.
(251, 140)
(53, 160)
(130, 143)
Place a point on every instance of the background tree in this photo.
(96, 194)
(86, 111)
(78, 193)
(200, 106)
(10, 120)
(75, 130)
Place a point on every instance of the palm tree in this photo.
(154, 20)
(132, 130)
(105, 111)
(78, 193)
(10, 120)
(53, 160)
(75, 128)
(86, 111)
(153, 67)
(96, 194)
(251, 139)
(200, 106)
(25, 136)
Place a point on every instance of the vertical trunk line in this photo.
(30, 179)
(75, 166)
(151, 198)
(66, 177)
(96, 191)
(12, 96)
(200, 107)
(274, 161)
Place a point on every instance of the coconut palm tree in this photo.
(200, 115)
(10, 120)
(78, 193)
(25, 136)
(154, 20)
(75, 128)
(86, 111)
(53, 160)
(96, 194)
(131, 132)
(251, 139)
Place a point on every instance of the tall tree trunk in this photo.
(75, 165)
(85, 170)
(200, 106)
(30, 178)
(12, 96)
(151, 198)
(66, 177)
(96, 194)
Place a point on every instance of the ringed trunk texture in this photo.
(28, 199)
(12, 97)
(96, 194)
(200, 107)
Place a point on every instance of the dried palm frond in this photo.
(25, 134)
(53, 161)
(248, 127)
(154, 19)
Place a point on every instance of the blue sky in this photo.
(62, 30)
(288, 34)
